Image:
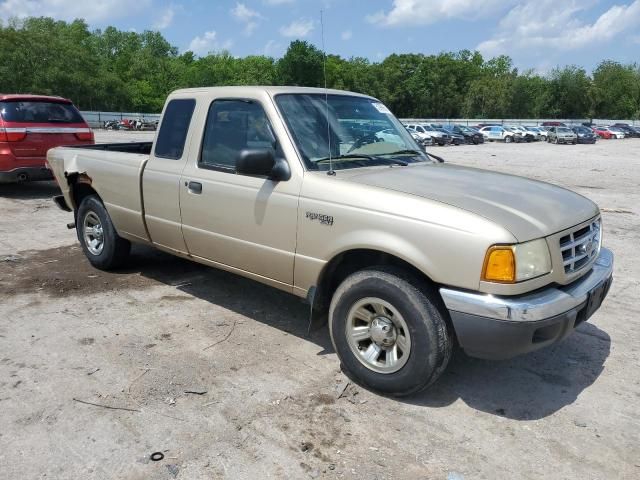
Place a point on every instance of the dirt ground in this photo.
(217, 372)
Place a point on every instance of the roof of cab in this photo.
(29, 96)
(271, 90)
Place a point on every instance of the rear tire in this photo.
(102, 245)
(390, 331)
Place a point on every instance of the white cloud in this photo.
(92, 12)
(547, 26)
(245, 15)
(208, 42)
(165, 20)
(425, 12)
(298, 28)
(346, 35)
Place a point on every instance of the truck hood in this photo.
(527, 208)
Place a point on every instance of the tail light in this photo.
(12, 134)
(85, 136)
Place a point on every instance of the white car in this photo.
(539, 131)
(497, 133)
(615, 132)
(441, 138)
(526, 135)
(422, 139)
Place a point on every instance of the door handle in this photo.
(195, 187)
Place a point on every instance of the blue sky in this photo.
(537, 34)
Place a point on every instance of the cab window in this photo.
(174, 128)
(233, 126)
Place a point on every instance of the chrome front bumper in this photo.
(490, 326)
(532, 307)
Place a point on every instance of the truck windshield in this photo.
(35, 111)
(352, 131)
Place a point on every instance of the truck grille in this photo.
(580, 247)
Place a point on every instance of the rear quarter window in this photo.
(34, 111)
(174, 128)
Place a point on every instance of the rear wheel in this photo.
(389, 331)
(102, 245)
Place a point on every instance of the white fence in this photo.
(518, 121)
(97, 119)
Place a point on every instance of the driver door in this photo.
(240, 221)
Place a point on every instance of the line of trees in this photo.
(120, 70)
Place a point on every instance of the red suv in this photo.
(29, 126)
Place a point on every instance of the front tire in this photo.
(389, 331)
(102, 245)
(508, 139)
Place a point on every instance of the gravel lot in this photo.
(265, 402)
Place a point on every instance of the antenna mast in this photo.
(326, 94)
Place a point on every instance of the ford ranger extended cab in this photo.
(292, 187)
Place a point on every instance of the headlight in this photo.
(515, 263)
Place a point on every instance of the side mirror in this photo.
(262, 163)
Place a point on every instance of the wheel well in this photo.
(351, 261)
(80, 188)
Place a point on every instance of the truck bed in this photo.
(128, 147)
(114, 171)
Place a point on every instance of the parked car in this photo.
(629, 132)
(29, 126)
(616, 132)
(603, 132)
(525, 134)
(585, 134)
(422, 140)
(441, 138)
(562, 135)
(456, 138)
(476, 136)
(553, 124)
(496, 133)
(469, 135)
(537, 132)
(406, 259)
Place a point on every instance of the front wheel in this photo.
(100, 242)
(389, 331)
(508, 139)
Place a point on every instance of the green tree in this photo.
(616, 90)
(301, 65)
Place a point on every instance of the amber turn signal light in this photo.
(499, 265)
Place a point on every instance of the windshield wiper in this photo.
(403, 152)
(435, 157)
(362, 155)
(415, 152)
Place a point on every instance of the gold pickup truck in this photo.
(324, 194)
